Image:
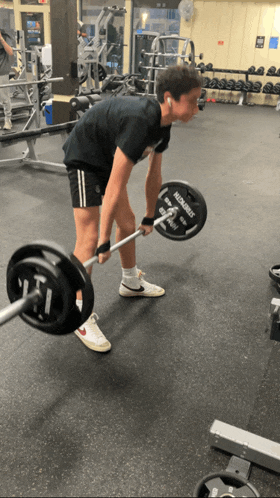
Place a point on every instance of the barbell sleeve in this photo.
(20, 306)
(171, 213)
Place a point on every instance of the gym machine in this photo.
(30, 136)
(92, 57)
(159, 58)
(246, 448)
(31, 93)
(21, 108)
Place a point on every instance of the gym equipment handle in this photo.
(19, 306)
(171, 213)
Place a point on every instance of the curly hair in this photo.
(177, 80)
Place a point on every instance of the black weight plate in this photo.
(225, 484)
(74, 277)
(193, 210)
(274, 273)
(78, 279)
(58, 298)
(87, 291)
(52, 252)
(102, 73)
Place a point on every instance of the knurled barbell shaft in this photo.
(35, 297)
(24, 83)
(171, 213)
(20, 306)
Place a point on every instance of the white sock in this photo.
(79, 303)
(130, 272)
(130, 277)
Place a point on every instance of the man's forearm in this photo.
(6, 46)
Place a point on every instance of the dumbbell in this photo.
(276, 89)
(257, 86)
(271, 71)
(222, 84)
(209, 67)
(191, 57)
(240, 85)
(251, 69)
(268, 87)
(260, 71)
(201, 66)
(206, 82)
(248, 87)
(214, 83)
(231, 85)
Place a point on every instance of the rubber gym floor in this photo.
(135, 421)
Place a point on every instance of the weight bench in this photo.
(30, 136)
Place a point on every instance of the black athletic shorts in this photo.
(86, 188)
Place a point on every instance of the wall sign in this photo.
(260, 41)
(273, 43)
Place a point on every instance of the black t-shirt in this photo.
(130, 123)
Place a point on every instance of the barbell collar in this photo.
(20, 306)
(170, 213)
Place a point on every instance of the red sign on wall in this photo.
(220, 42)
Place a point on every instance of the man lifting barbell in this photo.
(100, 154)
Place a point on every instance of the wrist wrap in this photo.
(148, 221)
(103, 248)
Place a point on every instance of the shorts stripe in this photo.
(82, 188)
(86, 188)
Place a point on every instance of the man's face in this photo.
(185, 108)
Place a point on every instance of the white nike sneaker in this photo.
(132, 287)
(91, 335)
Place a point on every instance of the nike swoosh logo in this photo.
(82, 331)
(134, 290)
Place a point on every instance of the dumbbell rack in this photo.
(243, 96)
(278, 102)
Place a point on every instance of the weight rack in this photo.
(244, 93)
(155, 54)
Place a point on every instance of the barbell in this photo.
(35, 82)
(43, 280)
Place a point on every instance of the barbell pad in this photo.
(148, 221)
(103, 248)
